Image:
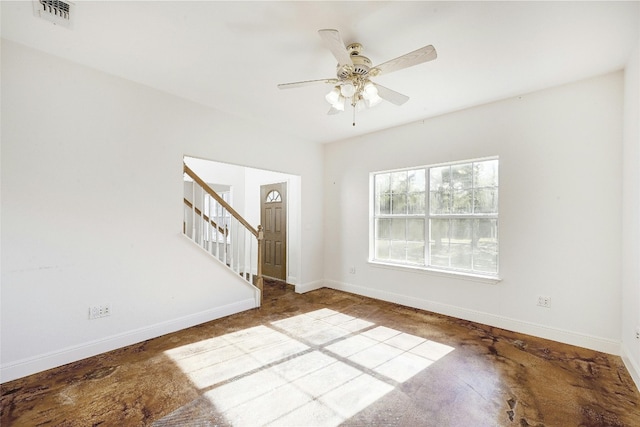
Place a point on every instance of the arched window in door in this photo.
(273, 197)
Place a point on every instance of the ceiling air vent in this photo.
(57, 11)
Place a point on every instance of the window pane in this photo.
(485, 254)
(440, 190)
(416, 180)
(415, 230)
(415, 252)
(383, 204)
(439, 178)
(486, 173)
(486, 200)
(415, 204)
(461, 176)
(461, 256)
(398, 251)
(398, 229)
(399, 182)
(273, 197)
(399, 204)
(461, 252)
(440, 201)
(439, 242)
(382, 183)
(461, 230)
(382, 249)
(383, 228)
(462, 201)
(486, 259)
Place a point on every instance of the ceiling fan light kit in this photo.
(336, 99)
(354, 72)
(348, 89)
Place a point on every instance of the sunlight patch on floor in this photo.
(323, 366)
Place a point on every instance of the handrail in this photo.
(258, 233)
(220, 200)
(224, 231)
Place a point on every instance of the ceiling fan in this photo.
(354, 71)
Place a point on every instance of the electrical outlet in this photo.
(544, 301)
(352, 270)
(97, 311)
(638, 333)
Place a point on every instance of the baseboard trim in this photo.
(32, 365)
(630, 364)
(529, 328)
(311, 286)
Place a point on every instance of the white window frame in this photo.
(486, 277)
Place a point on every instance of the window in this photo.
(442, 217)
(273, 197)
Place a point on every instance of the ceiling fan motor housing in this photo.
(361, 66)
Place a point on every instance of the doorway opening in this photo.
(243, 186)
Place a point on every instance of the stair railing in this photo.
(221, 231)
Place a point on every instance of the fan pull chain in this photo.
(354, 115)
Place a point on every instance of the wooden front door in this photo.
(273, 218)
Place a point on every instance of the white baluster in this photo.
(217, 221)
(209, 225)
(244, 253)
(202, 193)
(193, 211)
(247, 254)
(234, 245)
(232, 236)
(237, 246)
(185, 214)
(233, 227)
(243, 258)
(214, 228)
(251, 240)
(226, 235)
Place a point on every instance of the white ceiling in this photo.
(231, 55)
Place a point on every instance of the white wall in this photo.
(560, 211)
(92, 210)
(631, 218)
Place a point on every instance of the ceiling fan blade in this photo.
(306, 83)
(336, 46)
(391, 95)
(333, 111)
(424, 54)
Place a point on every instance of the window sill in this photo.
(492, 280)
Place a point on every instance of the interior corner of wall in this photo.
(631, 364)
(308, 287)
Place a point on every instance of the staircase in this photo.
(211, 223)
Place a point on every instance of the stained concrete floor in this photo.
(328, 358)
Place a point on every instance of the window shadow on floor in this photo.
(315, 369)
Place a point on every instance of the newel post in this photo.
(259, 280)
